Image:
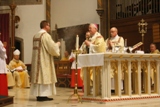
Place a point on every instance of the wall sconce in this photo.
(17, 20)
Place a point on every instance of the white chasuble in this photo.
(97, 44)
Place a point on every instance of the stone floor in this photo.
(22, 98)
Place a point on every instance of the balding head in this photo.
(93, 29)
(113, 31)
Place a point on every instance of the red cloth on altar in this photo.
(79, 80)
(3, 85)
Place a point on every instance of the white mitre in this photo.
(16, 52)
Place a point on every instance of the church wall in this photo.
(30, 17)
(128, 29)
(67, 13)
(64, 13)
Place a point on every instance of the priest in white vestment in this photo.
(111, 42)
(114, 40)
(43, 76)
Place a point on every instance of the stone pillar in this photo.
(48, 10)
(12, 7)
(103, 10)
(100, 11)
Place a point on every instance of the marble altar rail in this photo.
(140, 74)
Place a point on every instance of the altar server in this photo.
(73, 67)
(3, 71)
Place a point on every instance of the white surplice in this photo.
(3, 56)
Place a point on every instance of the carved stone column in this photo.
(12, 7)
(48, 10)
(100, 11)
(103, 10)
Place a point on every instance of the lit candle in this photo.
(125, 43)
(77, 42)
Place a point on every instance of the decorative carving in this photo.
(100, 11)
(153, 65)
(99, 3)
(134, 66)
(124, 65)
(12, 7)
(114, 66)
(144, 65)
(20, 2)
(48, 10)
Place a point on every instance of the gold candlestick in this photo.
(76, 52)
(142, 29)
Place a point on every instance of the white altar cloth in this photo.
(91, 60)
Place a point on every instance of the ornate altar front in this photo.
(139, 72)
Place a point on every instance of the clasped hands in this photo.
(87, 42)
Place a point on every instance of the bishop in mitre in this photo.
(96, 44)
(43, 75)
(111, 42)
(20, 73)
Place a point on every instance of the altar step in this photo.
(5, 100)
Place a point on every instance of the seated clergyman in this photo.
(20, 73)
(153, 49)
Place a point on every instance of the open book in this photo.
(19, 68)
(137, 46)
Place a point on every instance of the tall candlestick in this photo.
(125, 43)
(77, 42)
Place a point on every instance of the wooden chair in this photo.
(63, 73)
